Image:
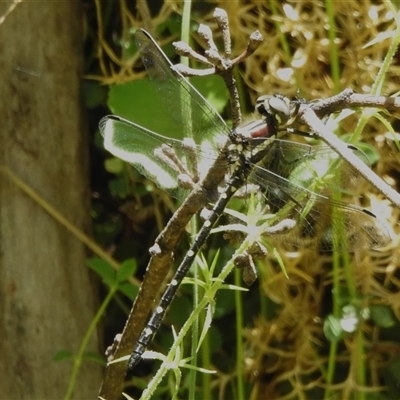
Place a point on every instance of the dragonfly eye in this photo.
(276, 106)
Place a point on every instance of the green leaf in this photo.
(382, 316)
(126, 270)
(95, 357)
(129, 48)
(139, 102)
(128, 290)
(63, 355)
(213, 89)
(333, 328)
(119, 187)
(114, 165)
(103, 269)
(206, 325)
(370, 151)
(93, 93)
(280, 261)
(174, 25)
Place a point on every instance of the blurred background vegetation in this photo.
(294, 345)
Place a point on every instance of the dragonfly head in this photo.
(277, 109)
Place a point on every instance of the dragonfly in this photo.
(295, 182)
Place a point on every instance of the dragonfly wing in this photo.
(162, 160)
(317, 168)
(193, 115)
(320, 222)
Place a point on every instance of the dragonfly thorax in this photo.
(255, 129)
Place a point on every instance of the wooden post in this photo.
(47, 295)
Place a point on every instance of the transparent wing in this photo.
(165, 161)
(193, 115)
(299, 182)
(317, 168)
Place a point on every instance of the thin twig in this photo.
(145, 15)
(221, 65)
(348, 99)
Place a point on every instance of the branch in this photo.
(306, 115)
(156, 271)
(221, 65)
(348, 99)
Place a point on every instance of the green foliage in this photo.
(138, 101)
(116, 280)
(62, 355)
(382, 316)
(93, 93)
